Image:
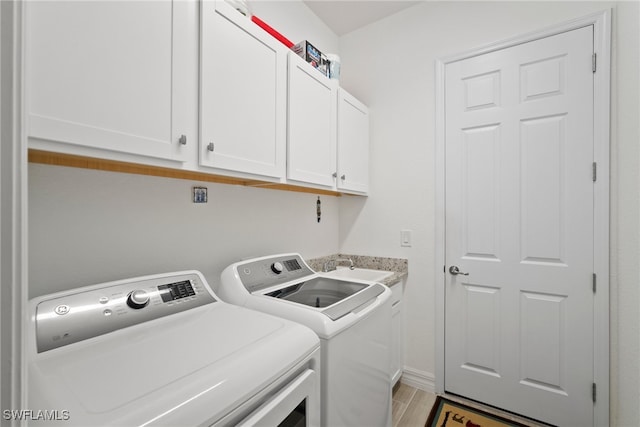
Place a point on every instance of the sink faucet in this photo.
(349, 260)
(328, 266)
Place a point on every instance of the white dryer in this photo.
(352, 319)
(163, 350)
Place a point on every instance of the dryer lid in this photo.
(201, 363)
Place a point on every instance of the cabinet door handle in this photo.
(210, 147)
(183, 140)
(343, 177)
(335, 174)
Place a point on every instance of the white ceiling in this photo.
(348, 15)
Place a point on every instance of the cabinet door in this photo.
(397, 331)
(353, 144)
(107, 75)
(243, 94)
(312, 124)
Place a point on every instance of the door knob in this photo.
(455, 271)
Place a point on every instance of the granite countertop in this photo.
(399, 266)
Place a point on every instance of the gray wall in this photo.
(88, 226)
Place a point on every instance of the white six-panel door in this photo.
(519, 222)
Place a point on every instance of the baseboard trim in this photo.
(419, 379)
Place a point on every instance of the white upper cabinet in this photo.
(353, 144)
(108, 75)
(312, 125)
(243, 83)
(118, 80)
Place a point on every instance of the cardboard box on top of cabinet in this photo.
(312, 55)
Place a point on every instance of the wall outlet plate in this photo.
(200, 195)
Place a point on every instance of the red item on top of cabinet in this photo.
(285, 41)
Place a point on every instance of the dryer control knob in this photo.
(138, 299)
(277, 267)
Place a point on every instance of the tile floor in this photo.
(410, 406)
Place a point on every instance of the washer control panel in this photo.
(68, 317)
(271, 271)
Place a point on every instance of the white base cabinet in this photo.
(108, 75)
(397, 333)
(243, 89)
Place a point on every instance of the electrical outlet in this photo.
(200, 195)
(405, 238)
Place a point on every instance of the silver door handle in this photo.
(455, 271)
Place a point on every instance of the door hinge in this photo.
(593, 392)
(594, 283)
(593, 63)
(594, 171)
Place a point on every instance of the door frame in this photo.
(13, 212)
(601, 22)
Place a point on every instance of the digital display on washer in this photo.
(174, 291)
(292, 264)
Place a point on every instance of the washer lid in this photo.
(338, 296)
(193, 367)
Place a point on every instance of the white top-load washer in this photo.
(352, 319)
(163, 350)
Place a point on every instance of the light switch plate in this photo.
(405, 238)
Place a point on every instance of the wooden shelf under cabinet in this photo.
(70, 160)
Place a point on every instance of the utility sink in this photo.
(359, 274)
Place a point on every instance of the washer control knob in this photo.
(138, 299)
(277, 267)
